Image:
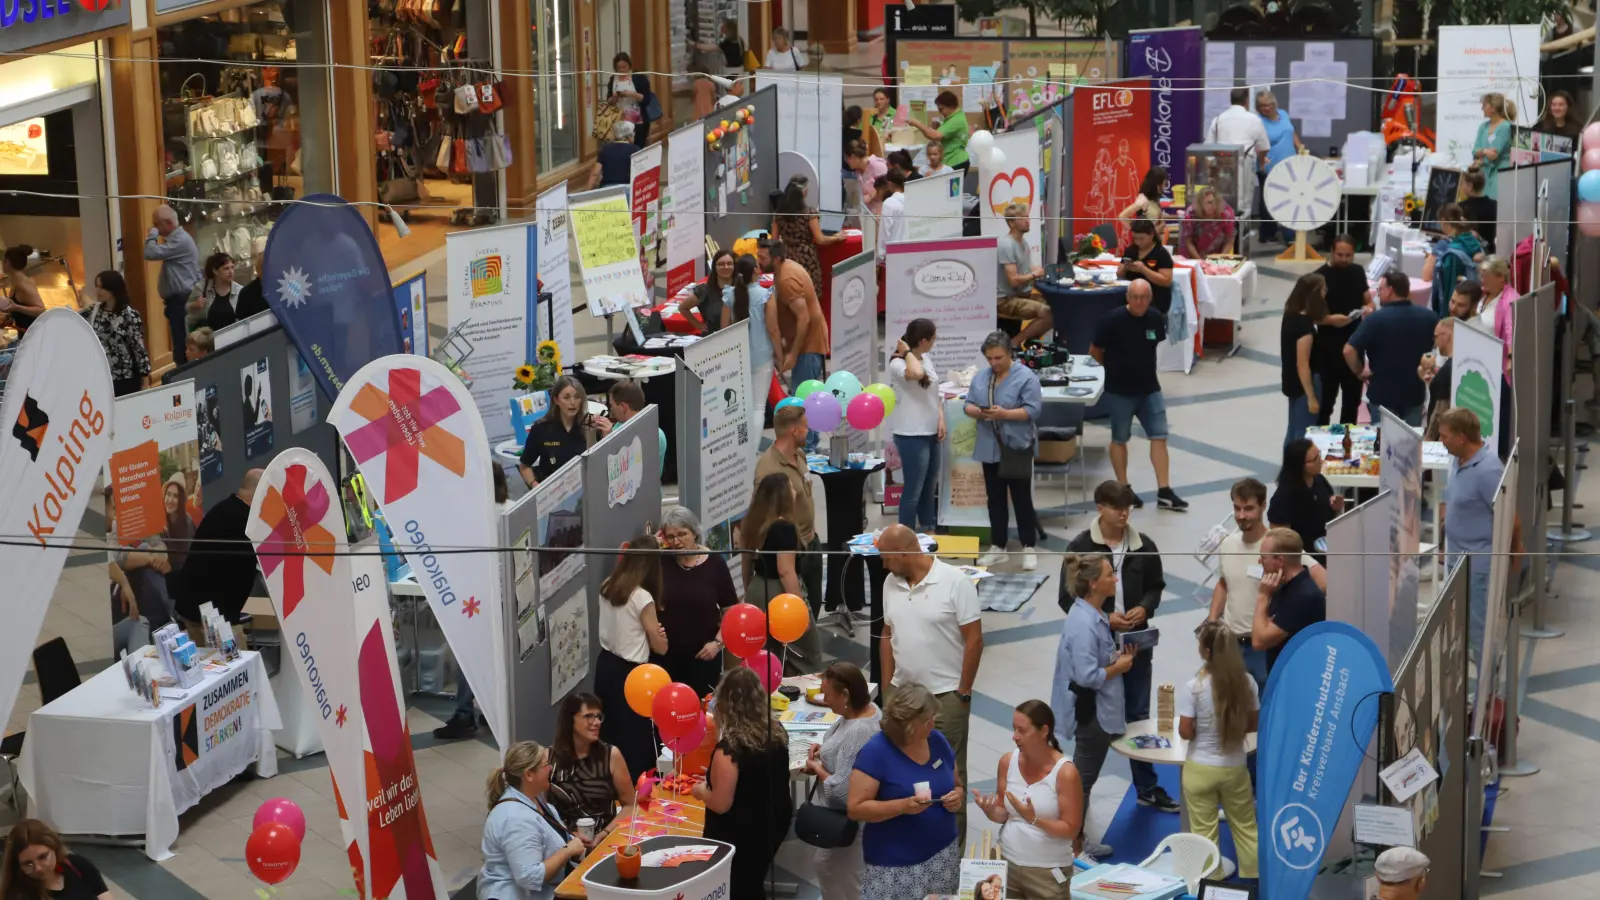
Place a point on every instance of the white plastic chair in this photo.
(1193, 858)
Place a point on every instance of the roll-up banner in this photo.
(555, 271)
(328, 285)
(58, 402)
(1319, 712)
(1401, 472)
(1017, 180)
(854, 314)
(1110, 153)
(683, 206)
(1171, 59)
(951, 282)
(644, 198)
(728, 407)
(1475, 376)
(419, 443)
(492, 291)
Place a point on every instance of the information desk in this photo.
(682, 817)
(101, 761)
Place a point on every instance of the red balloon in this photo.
(744, 629)
(272, 852)
(675, 710)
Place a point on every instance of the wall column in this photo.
(519, 113)
(136, 93)
(354, 118)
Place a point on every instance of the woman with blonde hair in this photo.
(1208, 226)
(526, 847)
(906, 791)
(1492, 147)
(39, 867)
(1217, 711)
(770, 538)
(1452, 258)
(746, 791)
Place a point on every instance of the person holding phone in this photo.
(1088, 679)
(566, 431)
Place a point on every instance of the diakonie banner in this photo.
(419, 442)
(1318, 714)
(58, 406)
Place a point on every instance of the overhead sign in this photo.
(34, 23)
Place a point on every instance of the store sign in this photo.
(34, 23)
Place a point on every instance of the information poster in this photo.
(411, 305)
(1171, 59)
(683, 206)
(1475, 60)
(491, 295)
(1040, 72)
(1475, 376)
(207, 419)
(555, 271)
(962, 497)
(608, 253)
(854, 315)
(1400, 471)
(302, 392)
(951, 282)
(645, 178)
(1111, 152)
(155, 464)
(559, 501)
(933, 207)
(982, 63)
(810, 117)
(569, 646)
(255, 389)
(1017, 181)
(727, 409)
(1220, 60)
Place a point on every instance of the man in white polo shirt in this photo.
(932, 635)
(1233, 600)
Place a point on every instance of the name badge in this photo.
(1255, 571)
(1149, 334)
(937, 763)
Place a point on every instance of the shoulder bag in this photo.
(823, 826)
(1015, 465)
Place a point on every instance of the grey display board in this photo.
(1542, 192)
(1532, 349)
(220, 371)
(1355, 53)
(729, 214)
(528, 664)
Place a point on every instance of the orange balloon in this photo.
(641, 687)
(787, 617)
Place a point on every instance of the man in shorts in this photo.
(1125, 342)
(1018, 298)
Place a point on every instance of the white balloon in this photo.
(980, 143)
(994, 161)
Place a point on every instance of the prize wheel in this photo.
(1302, 193)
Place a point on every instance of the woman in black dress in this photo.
(769, 530)
(589, 779)
(1304, 501)
(695, 588)
(746, 791)
(37, 864)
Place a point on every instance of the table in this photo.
(101, 761)
(1434, 459)
(1222, 301)
(1167, 756)
(1089, 878)
(707, 879)
(690, 822)
(1342, 218)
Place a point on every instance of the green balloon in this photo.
(808, 387)
(882, 392)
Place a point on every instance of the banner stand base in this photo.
(1520, 768)
(1541, 634)
(1576, 535)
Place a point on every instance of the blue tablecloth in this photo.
(1078, 312)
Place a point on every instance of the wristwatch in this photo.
(964, 698)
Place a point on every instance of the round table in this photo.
(1168, 756)
(1078, 311)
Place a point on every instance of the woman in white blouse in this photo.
(917, 424)
(1038, 802)
(629, 632)
(783, 56)
(1217, 710)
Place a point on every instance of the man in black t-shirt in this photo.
(1288, 600)
(1347, 293)
(1125, 342)
(1146, 260)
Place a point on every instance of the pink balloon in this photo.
(284, 811)
(1589, 219)
(767, 667)
(690, 742)
(1591, 159)
(1591, 136)
(865, 411)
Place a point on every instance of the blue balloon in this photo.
(1589, 186)
(844, 387)
(789, 401)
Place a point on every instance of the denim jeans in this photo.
(1412, 415)
(807, 366)
(919, 472)
(463, 694)
(1136, 706)
(1255, 662)
(177, 311)
(1300, 415)
(1477, 601)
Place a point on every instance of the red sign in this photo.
(1110, 153)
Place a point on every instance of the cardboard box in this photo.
(1057, 452)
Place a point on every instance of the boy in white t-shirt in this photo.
(1217, 712)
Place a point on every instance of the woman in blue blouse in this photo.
(1285, 144)
(905, 790)
(526, 848)
(1006, 401)
(1492, 146)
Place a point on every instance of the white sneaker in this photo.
(1030, 559)
(994, 557)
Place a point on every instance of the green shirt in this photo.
(884, 122)
(953, 135)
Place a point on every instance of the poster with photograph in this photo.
(155, 465)
(255, 387)
(531, 630)
(209, 425)
(559, 501)
(982, 879)
(569, 646)
(302, 393)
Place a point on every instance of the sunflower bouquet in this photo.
(543, 371)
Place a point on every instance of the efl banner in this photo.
(491, 280)
(555, 271)
(297, 526)
(58, 404)
(1111, 151)
(1475, 60)
(419, 443)
(1319, 712)
(608, 251)
(1017, 180)
(328, 285)
(1171, 59)
(683, 206)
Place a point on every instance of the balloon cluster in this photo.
(273, 850)
(981, 147)
(743, 117)
(1589, 182)
(841, 398)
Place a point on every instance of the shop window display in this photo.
(556, 88)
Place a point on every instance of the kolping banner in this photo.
(1319, 712)
(328, 285)
(297, 525)
(1171, 59)
(419, 442)
(58, 409)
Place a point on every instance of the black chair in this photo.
(57, 675)
(1108, 235)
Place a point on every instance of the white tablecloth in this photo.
(1223, 296)
(101, 761)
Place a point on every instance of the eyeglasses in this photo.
(593, 717)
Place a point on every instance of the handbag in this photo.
(1015, 465)
(823, 826)
(652, 108)
(605, 121)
